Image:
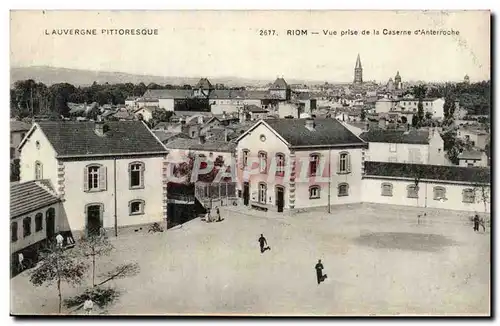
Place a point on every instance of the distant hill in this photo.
(77, 77)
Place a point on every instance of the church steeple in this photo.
(358, 71)
(358, 63)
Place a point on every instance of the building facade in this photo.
(287, 165)
(105, 178)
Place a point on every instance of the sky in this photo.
(228, 43)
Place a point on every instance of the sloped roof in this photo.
(255, 109)
(16, 126)
(327, 132)
(165, 136)
(279, 83)
(471, 155)
(396, 136)
(226, 94)
(430, 172)
(168, 94)
(256, 95)
(204, 83)
(28, 196)
(195, 144)
(79, 138)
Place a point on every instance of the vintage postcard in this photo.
(250, 163)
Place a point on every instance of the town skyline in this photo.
(186, 48)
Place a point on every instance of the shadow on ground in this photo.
(405, 241)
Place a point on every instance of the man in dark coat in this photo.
(476, 223)
(319, 272)
(263, 244)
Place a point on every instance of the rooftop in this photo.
(195, 144)
(430, 172)
(16, 126)
(279, 84)
(471, 155)
(80, 139)
(396, 136)
(327, 132)
(25, 197)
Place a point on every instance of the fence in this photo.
(216, 193)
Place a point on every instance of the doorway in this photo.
(280, 198)
(50, 223)
(246, 193)
(94, 219)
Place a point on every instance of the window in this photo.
(244, 157)
(95, 178)
(280, 165)
(469, 165)
(313, 164)
(13, 231)
(439, 193)
(343, 190)
(26, 226)
(38, 222)
(393, 147)
(412, 191)
(262, 162)
(136, 207)
(262, 193)
(387, 189)
(344, 163)
(314, 192)
(38, 170)
(136, 170)
(468, 196)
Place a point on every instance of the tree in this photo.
(420, 112)
(481, 186)
(414, 121)
(93, 247)
(58, 266)
(363, 114)
(454, 145)
(449, 108)
(428, 115)
(15, 170)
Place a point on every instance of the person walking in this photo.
(319, 272)
(218, 214)
(476, 223)
(263, 244)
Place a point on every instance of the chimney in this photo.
(202, 139)
(225, 134)
(310, 124)
(100, 128)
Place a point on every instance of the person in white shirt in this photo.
(59, 240)
(88, 305)
(21, 260)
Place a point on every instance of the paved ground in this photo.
(378, 260)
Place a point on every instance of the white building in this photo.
(108, 174)
(473, 158)
(399, 146)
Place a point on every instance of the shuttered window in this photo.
(439, 193)
(38, 222)
(343, 190)
(387, 189)
(95, 178)
(412, 191)
(468, 196)
(13, 232)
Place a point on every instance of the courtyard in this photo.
(379, 259)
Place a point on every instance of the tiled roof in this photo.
(19, 126)
(28, 196)
(79, 138)
(327, 132)
(430, 172)
(472, 155)
(279, 83)
(204, 83)
(195, 144)
(256, 95)
(227, 94)
(398, 136)
(255, 109)
(165, 136)
(168, 93)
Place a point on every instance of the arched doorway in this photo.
(50, 223)
(280, 198)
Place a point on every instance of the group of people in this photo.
(320, 277)
(211, 218)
